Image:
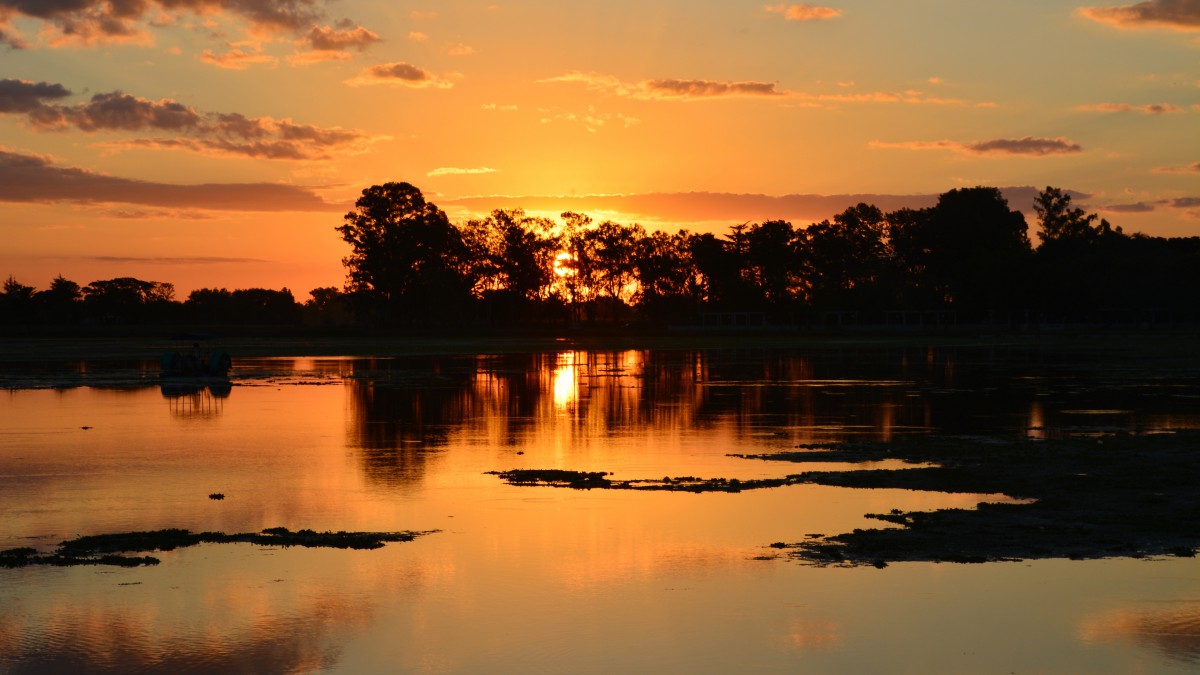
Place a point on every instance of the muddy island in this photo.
(108, 549)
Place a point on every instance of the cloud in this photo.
(1181, 15)
(1190, 168)
(497, 106)
(236, 58)
(417, 36)
(804, 12)
(1151, 109)
(689, 208)
(1137, 207)
(231, 134)
(327, 38)
(691, 90)
(37, 179)
(668, 89)
(89, 23)
(453, 171)
(707, 89)
(1027, 146)
(591, 120)
(460, 49)
(1185, 202)
(161, 260)
(156, 214)
(22, 96)
(399, 74)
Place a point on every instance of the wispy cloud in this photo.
(1136, 207)
(1190, 168)
(1181, 15)
(1028, 146)
(38, 179)
(1151, 109)
(454, 171)
(669, 89)
(592, 120)
(163, 260)
(237, 58)
(460, 49)
(210, 133)
(690, 208)
(399, 74)
(804, 12)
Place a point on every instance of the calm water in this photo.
(544, 580)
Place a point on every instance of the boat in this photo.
(195, 362)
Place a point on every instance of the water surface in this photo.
(545, 580)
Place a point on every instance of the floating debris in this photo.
(587, 480)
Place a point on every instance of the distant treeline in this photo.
(969, 259)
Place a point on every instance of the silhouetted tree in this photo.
(512, 257)
(60, 303)
(407, 263)
(327, 306)
(666, 277)
(610, 249)
(1058, 220)
(16, 301)
(126, 299)
(771, 264)
(977, 249)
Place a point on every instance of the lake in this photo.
(539, 579)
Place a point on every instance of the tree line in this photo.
(969, 256)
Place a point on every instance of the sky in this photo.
(218, 143)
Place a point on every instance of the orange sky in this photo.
(214, 143)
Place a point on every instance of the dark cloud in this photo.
(212, 133)
(103, 21)
(20, 96)
(1028, 146)
(401, 74)
(1150, 109)
(1183, 15)
(1185, 202)
(327, 38)
(1136, 207)
(31, 178)
(669, 89)
(707, 89)
(1035, 147)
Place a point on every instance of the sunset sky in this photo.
(217, 143)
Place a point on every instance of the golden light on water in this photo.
(566, 387)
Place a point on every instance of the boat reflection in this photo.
(194, 399)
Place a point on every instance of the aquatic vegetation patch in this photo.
(1118, 495)
(109, 549)
(587, 480)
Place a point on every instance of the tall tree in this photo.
(1058, 220)
(978, 249)
(407, 262)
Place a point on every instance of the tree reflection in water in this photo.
(402, 409)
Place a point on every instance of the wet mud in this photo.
(110, 549)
